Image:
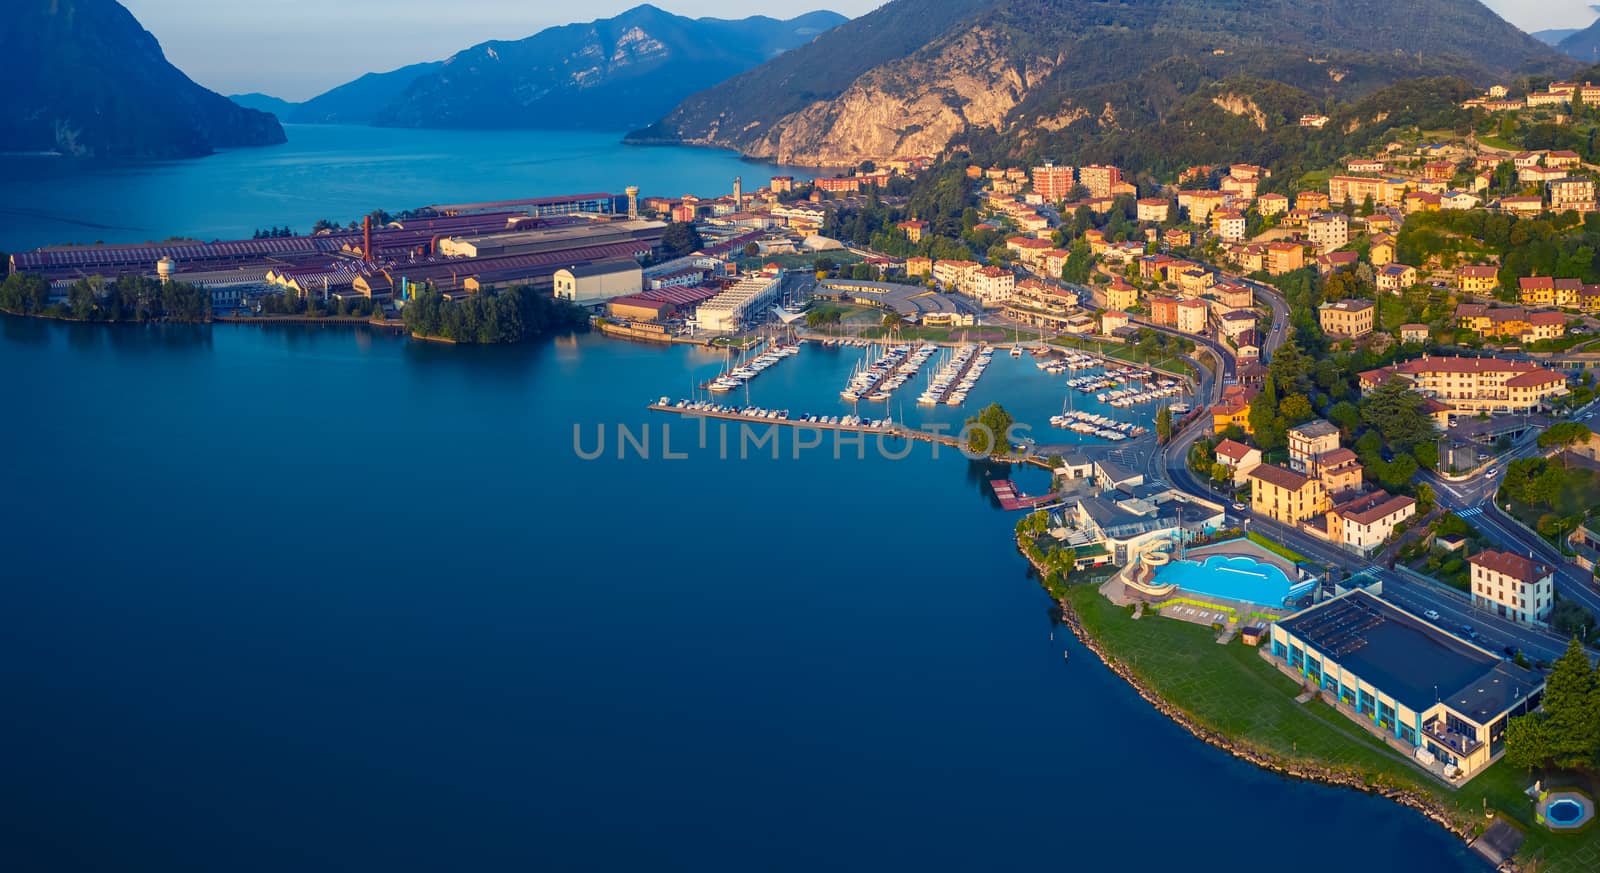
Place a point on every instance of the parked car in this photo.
(1431, 615)
(1469, 632)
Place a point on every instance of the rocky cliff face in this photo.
(84, 79)
(1022, 68)
(911, 107)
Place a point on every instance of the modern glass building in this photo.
(1429, 693)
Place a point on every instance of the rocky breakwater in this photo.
(1464, 827)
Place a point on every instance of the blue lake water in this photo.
(325, 599)
(338, 172)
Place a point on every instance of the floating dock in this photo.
(1013, 500)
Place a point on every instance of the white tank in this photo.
(165, 268)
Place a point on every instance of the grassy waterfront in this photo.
(1231, 690)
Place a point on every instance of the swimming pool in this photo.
(1564, 811)
(1234, 578)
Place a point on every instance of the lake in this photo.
(339, 172)
(321, 598)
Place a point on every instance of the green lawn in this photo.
(1279, 550)
(1232, 690)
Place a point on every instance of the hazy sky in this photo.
(296, 49)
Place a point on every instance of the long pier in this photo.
(896, 429)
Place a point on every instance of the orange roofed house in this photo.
(1234, 410)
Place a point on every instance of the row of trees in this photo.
(491, 316)
(126, 298)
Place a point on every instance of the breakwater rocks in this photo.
(1427, 805)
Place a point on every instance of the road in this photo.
(1416, 594)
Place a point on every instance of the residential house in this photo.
(1192, 316)
(1309, 441)
(1512, 586)
(1349, 318)
(1328, 231)
(1364, 522)
(1285, 257)
(1477, 279)
(1334, 262)
(1154, 209)
(1395, 278)
(1286, 496)
(1234, 408)
(1121, 295)
(1272, 204)
(1312, 201)
(1414, 333)
(1572, 192)
(1164, 310)
(992, 285)
(1381, 249)
(1239, 458)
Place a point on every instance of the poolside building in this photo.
(1429, 694)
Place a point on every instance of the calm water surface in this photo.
(338, 172)
(321, 599)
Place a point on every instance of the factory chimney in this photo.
(633, 201)
(738, 194)
(366, 239)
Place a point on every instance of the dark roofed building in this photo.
(1421, 687)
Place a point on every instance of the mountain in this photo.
(265, 103)
(360, 101)
(85, 79)
(1555, 36)
(614, 73)
(1583, 45)
(916, 75)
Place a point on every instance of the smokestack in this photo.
(366, 239)
(738, 194)
(633, 201)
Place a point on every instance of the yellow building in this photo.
(1351, 318)
(1121, 295)
(1286, 496)
(1381, 251)
(1478, 279)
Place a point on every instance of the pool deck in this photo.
(1244, 548)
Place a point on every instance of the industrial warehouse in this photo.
(455, 249)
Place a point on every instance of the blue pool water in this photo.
(1564, 811)
(1231, 578)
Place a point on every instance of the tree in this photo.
(1566, 433)
(1400, 414)
(1425, 498)
(679, 239)
(1296, 409)
(1164, 424)
(1572, 730)
(1527, 744)
(988, 430)
(751, 250)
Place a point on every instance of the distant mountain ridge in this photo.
(1583, 44)
(615, 73)
(1031, 68)
(85, 79)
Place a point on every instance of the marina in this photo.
(959, 375)
(742, 374)
(1102, 426)
(877, 380)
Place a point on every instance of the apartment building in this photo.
(1512, 586)
(1286, 496)
(1475, 385)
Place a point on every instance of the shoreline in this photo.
(1320, 773)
